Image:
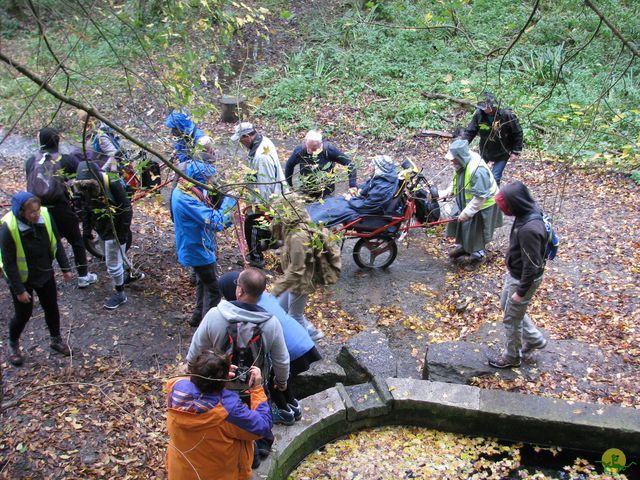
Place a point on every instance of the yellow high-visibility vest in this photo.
(469, 170)
(21, 260)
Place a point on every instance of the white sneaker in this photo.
(316, 335)
(88, 279)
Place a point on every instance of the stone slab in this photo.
(367, 354)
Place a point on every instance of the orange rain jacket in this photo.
(211, 435)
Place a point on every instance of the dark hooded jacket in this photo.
(528, 239)
(95, 204)
(49, 141)
(500, 135)
(35, 242)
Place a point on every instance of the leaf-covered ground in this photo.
(100, 414)
(413, 452)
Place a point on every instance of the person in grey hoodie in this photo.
(212, 332)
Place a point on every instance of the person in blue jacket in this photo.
(302, 350)
(186, 134)
(374, 196)
(196, 220)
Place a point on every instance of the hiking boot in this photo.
(502, 361)
(15, 355)
(529, 347)
(88, 279)
(296, 409)
(133, 277)
(60, 346)
(281, 416)
(256, 259)
(117, 299)
(456, 252)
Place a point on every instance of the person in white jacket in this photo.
(265, 182)
(473, 189)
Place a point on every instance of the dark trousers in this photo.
(253, 234)
(207, 288)
(48, 296)
(280, 398)
(68, 227)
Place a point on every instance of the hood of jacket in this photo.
(180, 121)
(48, 139)
(200, 171)
(17, 201)
(233, 313)
(519, 199)
(197, 408)
(459, 150)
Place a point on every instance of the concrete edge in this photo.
(456, 408)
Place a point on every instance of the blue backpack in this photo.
(553, 241)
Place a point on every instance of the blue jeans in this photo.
(497, 169)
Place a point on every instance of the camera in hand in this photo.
(242, 374)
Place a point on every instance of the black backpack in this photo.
(245, 348)
(427, 207)
(42, 180)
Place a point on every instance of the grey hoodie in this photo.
(212, 334)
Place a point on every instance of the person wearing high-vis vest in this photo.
(29, 242)
(473, 190)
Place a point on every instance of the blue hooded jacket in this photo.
(190, 134)
(195, 222)
(295, 335)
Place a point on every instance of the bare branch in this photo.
(94, 113)
(613, 29)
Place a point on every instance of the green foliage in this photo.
(635, 175)
(161, 51)
(578, 93)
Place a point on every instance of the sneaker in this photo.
(117, 299)
(133, 277)
(528, 347)
(88, 279)
(316, 334)
(15, 355)
(281, 416)
(60, 346)
(501, 361)
(296, 409)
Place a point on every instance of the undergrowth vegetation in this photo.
(143, 56)
(569, 80)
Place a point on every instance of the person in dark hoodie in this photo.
(107, 208)
(500, 134)
(28, 243)
(58, 202)
(525, 268)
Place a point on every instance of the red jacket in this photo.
(211, 435)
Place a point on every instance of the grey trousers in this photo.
(115, 258)
(517, 324)
(294, 305)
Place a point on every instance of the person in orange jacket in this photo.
(211, 431)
